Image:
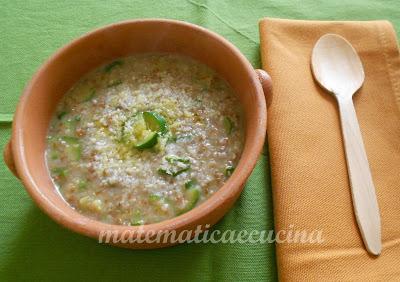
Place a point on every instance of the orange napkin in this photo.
(311, 189)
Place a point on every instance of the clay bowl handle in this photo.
(9, 159)
(265, 81)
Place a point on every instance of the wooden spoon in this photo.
(337, 68)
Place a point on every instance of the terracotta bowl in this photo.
(24, 154)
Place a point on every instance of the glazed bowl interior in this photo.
(70, 63)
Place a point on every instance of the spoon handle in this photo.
(362, 188)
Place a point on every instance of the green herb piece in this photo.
(62, 114)
(89, 96)
(70, 140)
(179, 171)
(174, 159)
(85, 96)
(137, 218)
(54, 155)
(154, 198)
(171, 172)
(164, 171)
(191, 183)
(177, 165)
(82, 184)
(174, 138)
(229, 170)
(70, 124)
(60, 172)
(112, 65)
(228, 125)
(73, 148)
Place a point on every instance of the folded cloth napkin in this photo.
(311, 189)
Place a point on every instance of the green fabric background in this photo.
(33, 247)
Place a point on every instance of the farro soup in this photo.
(144, 139)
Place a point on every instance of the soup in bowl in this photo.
(141, 126)
(144, 139)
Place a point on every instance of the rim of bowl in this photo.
(92, 228)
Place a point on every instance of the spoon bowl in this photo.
(337, 66)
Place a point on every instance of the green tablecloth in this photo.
(33, 247)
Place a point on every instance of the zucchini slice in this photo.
(137, 218)
(148, 142)
(72, 147)
(150, 124)
(192, 195)
(155, 122)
